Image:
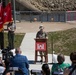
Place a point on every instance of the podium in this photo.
(41, 46)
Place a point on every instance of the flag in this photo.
(1, 17)
(7, 15)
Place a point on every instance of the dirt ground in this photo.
(26, 27)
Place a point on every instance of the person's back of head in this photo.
(45, 69)
(18, 51)
(73, 57)
(60, 58)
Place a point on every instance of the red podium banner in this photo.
(40, 46)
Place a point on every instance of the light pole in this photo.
(14, 13)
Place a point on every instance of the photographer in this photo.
(72, 69)
(6, 56)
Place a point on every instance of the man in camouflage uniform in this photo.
(11, 30)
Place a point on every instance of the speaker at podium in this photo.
(41, 47)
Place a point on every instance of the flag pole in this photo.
(2, 32)
(14, 13)
(3, 3)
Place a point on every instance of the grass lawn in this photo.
(62, 41)
(17, 40)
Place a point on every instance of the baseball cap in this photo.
(41, 27)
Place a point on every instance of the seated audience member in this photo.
(72, 69)
(45, 69)
(21, 62)
(58, 68)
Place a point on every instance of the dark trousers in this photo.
(10, 39)
(2, 40)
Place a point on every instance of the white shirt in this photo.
(2, 69)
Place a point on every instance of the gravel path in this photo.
(27, 27)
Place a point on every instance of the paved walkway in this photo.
(28, 44)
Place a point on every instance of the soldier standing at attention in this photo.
(11, 29)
